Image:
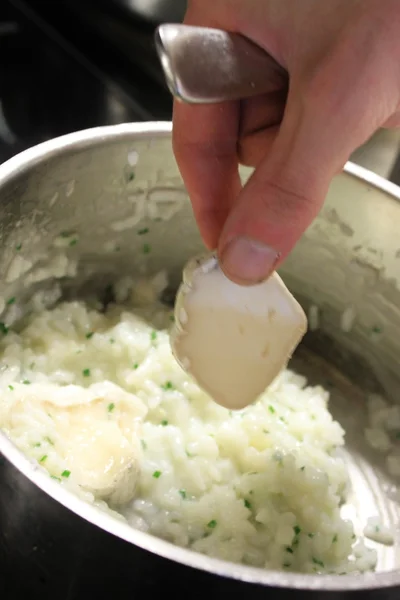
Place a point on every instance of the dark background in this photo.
(67, 65)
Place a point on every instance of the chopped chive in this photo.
(89, 335)
(146, 248)
(172, 318)
(3, 328)
(26, 381)
(290, 550)
(157, 474)
(182, 493)
(164, 422)
(167, 386)
(11, 300)
(136, 365)
(18, 247)
(48, 440)
(112, 341)
(287, 565)
(297, 530)
(376, 329)
(302, 468)
(73, 242)
(54, 477)
(10, 387)
(65, 234)
(143, 231)
(318, 562)
(86, 372)
(311, 535)
(37, 445)
(144, 445)
(334, 539)
(247, 504)
(212, 524)
(271, 410)
(131, 176)
(43, 458)
(153, 335)
(111, 407)
(66, 473)
(266, 431)
(189, 454)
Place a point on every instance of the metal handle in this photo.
(204, 65)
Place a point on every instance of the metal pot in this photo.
(105, 183)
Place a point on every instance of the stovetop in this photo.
(63, 69)
(67, 65)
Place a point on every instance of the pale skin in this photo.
(343, 60)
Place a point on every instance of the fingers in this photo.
(204, 143)
(322, 125)
(285, 193)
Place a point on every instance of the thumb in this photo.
(287, 190)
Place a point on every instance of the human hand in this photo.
(343, 60)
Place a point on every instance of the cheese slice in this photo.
(233, 340)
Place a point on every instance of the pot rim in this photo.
(20, 164)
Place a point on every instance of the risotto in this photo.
(99, 401)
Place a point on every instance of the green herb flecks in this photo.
(153, 335)
(111, 407)
(73, 242)
(18, 247)
(86, 372)
(66, 473)
(289, 550)
(44, 457)
(157, 474)
(318, 562)
(3, 328)
(55, 477)
(143, 231)
(136, 366)
(297, 530)
(26, 382)
(164, 422)
(183, 494)
(10, 387)
(212, 524)
(334, 539)
(11, 301)
(146, 248)
(271, 410)
(89, 335)
(143, 444)
(48, 440)
(376, 329)
(167, 386)
(247, 504)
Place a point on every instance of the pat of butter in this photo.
(233, 340)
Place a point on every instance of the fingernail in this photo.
(247, 261)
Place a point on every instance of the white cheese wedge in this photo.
(233, 340)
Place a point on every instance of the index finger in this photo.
(205, 146)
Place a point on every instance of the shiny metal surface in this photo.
(105, 183)
(204, 65)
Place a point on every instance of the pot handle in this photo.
(204, 65)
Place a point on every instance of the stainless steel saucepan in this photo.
(347, 260)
